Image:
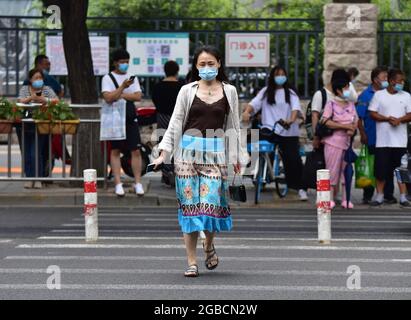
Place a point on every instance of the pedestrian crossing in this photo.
(269, 255)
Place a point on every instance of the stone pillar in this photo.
(350, 39)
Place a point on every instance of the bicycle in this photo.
(268, 170)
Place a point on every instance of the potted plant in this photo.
(9, 114)
(56, 118)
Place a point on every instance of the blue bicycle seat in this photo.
(260, 146)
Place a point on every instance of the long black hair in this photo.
(214, 52)
(272, 86)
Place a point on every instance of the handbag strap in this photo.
(235, 174)
(114, 80)
(332, 112)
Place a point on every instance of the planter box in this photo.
(59, 127)
(6, 126)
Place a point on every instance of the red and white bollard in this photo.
(323, 206)
(90, 204)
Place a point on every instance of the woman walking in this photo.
(341, 116)
(279, 102)
(196, 137)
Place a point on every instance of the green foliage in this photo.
(55, 111)
(9, 111)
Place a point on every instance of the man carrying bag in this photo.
(119, 119)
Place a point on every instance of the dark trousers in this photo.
(290, 153)
(30, 150)
(388, 187)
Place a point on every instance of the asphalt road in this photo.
(270, 254)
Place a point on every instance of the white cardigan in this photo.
(236, 151)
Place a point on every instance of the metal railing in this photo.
(394, 47)
(64, 175)
(295, 44)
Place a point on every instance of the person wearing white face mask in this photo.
(391, 109)
(115, 86)
(340, 116)
(204, 117)
(278, 101)
(34, 92)
(367, 128)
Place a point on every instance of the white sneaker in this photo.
(37, 185)
(138, 187)
(119, 191)
(303, 195)
(28, 185)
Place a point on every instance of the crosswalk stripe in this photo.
(178, 271)
(256, 215)
(226, 239)
(181, 246)
(5, 240)
(192, 287)
(293, 232)
(313, 220)
(225, 258)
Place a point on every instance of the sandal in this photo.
(192, 271)
(210, 254)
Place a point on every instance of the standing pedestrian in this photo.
(391, 109)
(119, 85)
(367, 128)
(341, 116)
(42, 63)
(322, 97)
(34, 92)
(278, 101)
(195, 137)
(164, 97)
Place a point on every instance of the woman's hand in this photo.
(39, 99)
(350, 132)
(237, 168)
(245, 116)
(159, 160)
(351, 127)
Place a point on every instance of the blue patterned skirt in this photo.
(201, 185)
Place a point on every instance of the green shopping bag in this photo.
(364, 169)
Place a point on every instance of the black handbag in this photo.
(237, 193)
(322, 130)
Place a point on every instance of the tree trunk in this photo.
(81, 81)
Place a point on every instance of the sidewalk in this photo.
(156, 194)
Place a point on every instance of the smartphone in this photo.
(132, 78)
(150, 167)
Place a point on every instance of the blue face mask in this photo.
(346, 94)
(399, 87)
(38, 84)
(208, 73)
(123, 67)
(46, 72)
(384, 84)
(280, 80)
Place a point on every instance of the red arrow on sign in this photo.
(248, 56)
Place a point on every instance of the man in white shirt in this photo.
(119, 85)
(391, 108)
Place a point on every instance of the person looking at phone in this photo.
(119, 85)
(280, 103)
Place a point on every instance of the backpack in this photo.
(308, 113)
